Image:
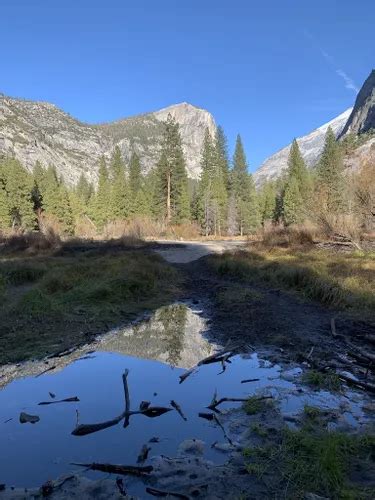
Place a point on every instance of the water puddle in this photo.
(156, 351)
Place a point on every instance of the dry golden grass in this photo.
(344, 280)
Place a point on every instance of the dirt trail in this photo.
(182, 252)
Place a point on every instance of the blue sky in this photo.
(270, 69)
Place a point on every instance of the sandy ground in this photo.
(179, 252)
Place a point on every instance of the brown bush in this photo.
(85, 228)
(30, 242)
(291, 236)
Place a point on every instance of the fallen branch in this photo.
(45, 371)
(207, 416)
(224, 432)
(124, 470)
(246, 380)
(187, 374)
(84, 429)
(120, 486)
(213, 406)
(357, 383)
(67, 400)
(127, 397)
(177, 407)
(221, 356)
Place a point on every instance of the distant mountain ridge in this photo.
(31, 131)
(311, 146)
(357, 120)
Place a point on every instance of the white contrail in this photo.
(349, 82)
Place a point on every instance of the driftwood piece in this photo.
(67, 400)
(187, 374)
(224, 431)
(162, 494)
(84, 429)
(45, 371)
(50, 486)
(142, 457)
(127, 397)
(177, 407)
(123, 470)
(26, 418)
(247, 380)
(120, 486)
(221, 356)
(207, 416)
(52, 395)
(357, 383)
(214, 404)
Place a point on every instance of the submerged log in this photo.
(247, 380)
(123, 470)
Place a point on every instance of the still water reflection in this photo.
(156, 352)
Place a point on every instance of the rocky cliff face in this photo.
(362, 118)
(32, 131)
(311, 146)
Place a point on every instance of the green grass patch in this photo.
(318, 380)
(256, 404)
(69, 298)
(303, 461)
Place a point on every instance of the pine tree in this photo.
(135, 176)
(117, 165)
(243, 189)
(330, 178)
(298, 187)
(84, 189)
(267, 202)
(100, 201)
(172, 187)
(212, 196)
(5, 220)
(56, 200)
(292, 202)
(120, 197)
(222, 148)
(39, 175)
(19, 186)
(297, 168)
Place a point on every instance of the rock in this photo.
(34, 131)
(362, 118)
(26, 418)
(191, 447)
